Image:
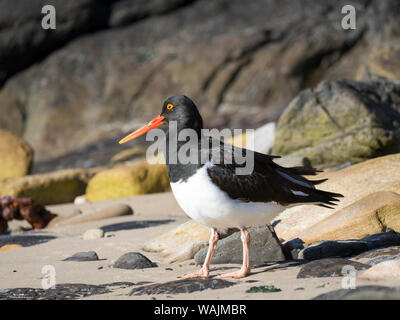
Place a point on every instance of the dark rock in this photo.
(347, 248)
(328, 268)
(362, 293)
(133, 260)
(292, 248)
(327, 249)
(83, 256)
(264, 247)
(60, 292)
(182, 286)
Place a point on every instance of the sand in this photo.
(153, 215)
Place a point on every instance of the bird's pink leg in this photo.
(204, 272)
(245, 270)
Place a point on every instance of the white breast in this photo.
(204, 202)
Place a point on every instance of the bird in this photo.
(210, 190)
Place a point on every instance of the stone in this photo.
(381, 252)
(355, 183)
(184, 234)
(383, 271)
(50, 188)
(245, 69)
(383, 259)
(362, 293)
(16, 156)
(369, 215)
(184, 252)
(332, 267)
(80, 200)
(133, 260)
(128, 180)
(83, 256)
(382, 61)
(93, 234)
(10, 247)
(111, 211)
(339, 121)
(182, 286)
(346, 248)
(327, 249)
(264, 247)
(129, 155)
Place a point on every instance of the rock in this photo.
(264, 247)
(327, 249)
(341, 121)
(49, 188)
(184, 234)
(381, 252)
(383, 259)
(83, 256)
(133, 260)
(80, 200)
(128, 155)
(378, 174)
(126, 181)
(29, 44)
(111, 211)
(10, 247)
(250, 61)
(184, 252)
(382, 61)
(293, 161)
(16, 156)
(369, 215)
(383, 271)
(93, 234)
(346, 248)
(332, 267)
(182, 286)
(362, 293)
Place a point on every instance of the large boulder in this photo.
(341, 121)
(128, 180)
(354, 182)
(49, 188)
(16, 156)
(372, 214)
(232, 57)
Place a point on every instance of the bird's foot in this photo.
(243, 272)
(202, 273)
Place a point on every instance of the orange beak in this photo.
(156, 122)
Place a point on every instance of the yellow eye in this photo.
(169, 106)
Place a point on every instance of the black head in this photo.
(182, 109)
(177, 108)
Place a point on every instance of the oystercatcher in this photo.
(210, 190)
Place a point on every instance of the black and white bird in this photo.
(211, 191)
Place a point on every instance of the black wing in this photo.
(267, 181)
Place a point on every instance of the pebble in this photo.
(133, 260)
(83, 256)
(93, 234)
